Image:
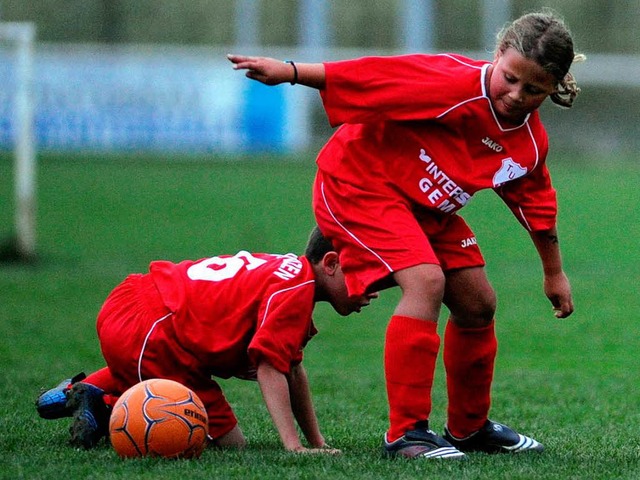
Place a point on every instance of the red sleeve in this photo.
(407, 87)
(532, 199)
(284, 326)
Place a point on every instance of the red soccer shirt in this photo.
(231, 312)
(425, 124)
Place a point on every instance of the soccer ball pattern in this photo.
(159, 418)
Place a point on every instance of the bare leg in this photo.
(233, 439)
(422, 292)
(470, 297)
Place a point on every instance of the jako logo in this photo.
(495, 146)
(468, 242)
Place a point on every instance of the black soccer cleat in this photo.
(421, 443)
(90, 415)
(494, 437)
(52, 404)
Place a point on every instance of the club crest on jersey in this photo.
(509, 170)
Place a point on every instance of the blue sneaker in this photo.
(52, 404)
(90, 415)
(494, 437)
(421, 443)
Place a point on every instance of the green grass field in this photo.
(573, 383)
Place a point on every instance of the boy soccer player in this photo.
(246, 315)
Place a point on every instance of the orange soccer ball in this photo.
(159, 418)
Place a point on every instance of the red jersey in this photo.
(424, 124)
(231, 312)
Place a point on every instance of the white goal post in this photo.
(19, 38)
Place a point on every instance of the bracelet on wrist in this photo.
(295, 71)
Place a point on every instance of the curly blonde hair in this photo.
(544, 38)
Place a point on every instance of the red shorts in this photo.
(380, 232)
(137, 342)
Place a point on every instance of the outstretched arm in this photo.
(271, 71)
(556, 284)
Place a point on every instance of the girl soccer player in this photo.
(418, 136)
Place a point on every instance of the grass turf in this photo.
(570, 383)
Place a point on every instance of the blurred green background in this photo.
(600, 25)
(605, 118)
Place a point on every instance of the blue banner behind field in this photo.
(156, 99)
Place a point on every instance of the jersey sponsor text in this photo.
(438, 184)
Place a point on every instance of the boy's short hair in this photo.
(317, 246)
